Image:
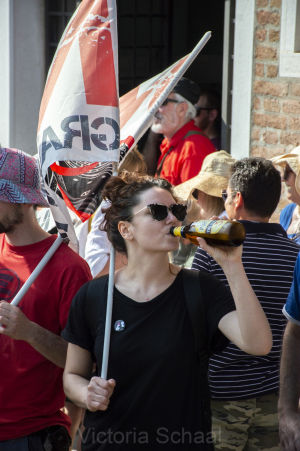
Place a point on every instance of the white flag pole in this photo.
(111, 280)
(37, 270)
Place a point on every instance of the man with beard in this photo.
(185, 146)
(208, 115)
(32, 352)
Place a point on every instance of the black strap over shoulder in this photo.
(189, 133)
(196, 309)
(159, 169)
(194, 132)
(95, 299)
(195, 305)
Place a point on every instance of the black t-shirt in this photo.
(156, 403)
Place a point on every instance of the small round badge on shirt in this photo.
(119, 325)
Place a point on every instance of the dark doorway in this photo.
(58, 13)
(189, 25)
(144, 39)
(154, 34)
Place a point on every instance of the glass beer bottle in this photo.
(215, 232)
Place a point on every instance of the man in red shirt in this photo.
(32, 351)
(185, 146)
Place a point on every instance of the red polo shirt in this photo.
(184, 161)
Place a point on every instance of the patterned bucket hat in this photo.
(19, 178)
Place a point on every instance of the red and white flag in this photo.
(79, 124)
(138, 107)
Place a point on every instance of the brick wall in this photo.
(276, 100)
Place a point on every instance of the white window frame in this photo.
(242, 78)
(6, 72)
(289, 59)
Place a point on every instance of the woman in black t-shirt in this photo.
(152, 398)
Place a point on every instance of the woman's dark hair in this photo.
(123, 192)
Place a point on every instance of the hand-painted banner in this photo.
(79, 122)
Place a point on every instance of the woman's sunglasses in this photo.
(287, 172)
(160, 212)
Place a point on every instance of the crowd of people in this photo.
(204, 349)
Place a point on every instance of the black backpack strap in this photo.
(195, 306)
(95, 300)
(94, 303)
(196, 309)
(194, 132)
(159, 169)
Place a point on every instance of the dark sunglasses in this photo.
(225, 194)
(287, 172)
(165, 102)
(199, 109)
(159, 212)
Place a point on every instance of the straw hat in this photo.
(213, 177)
(293, 160)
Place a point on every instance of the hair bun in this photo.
(123, 186)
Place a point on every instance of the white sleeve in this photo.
(98, 247)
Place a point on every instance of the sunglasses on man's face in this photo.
(225, 194)
(199, 109)
(160, 212)
(165, 102)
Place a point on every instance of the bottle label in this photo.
(210, 227)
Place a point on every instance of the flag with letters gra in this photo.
(79, 120)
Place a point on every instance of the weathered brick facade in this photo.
(276, 100)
